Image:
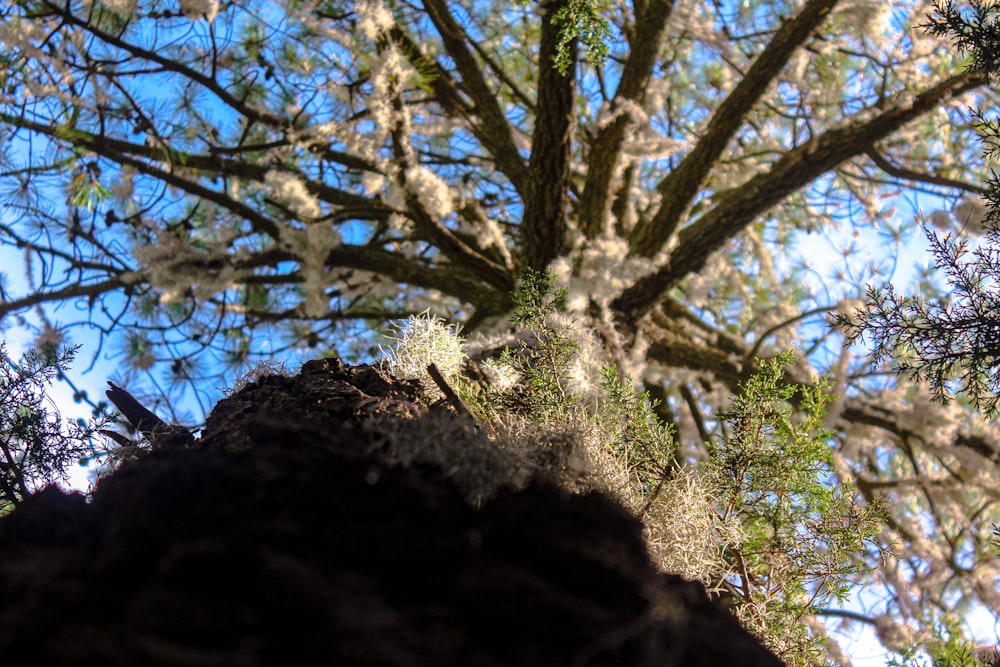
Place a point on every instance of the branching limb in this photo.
(794, 170)
(681, 186)
(492, 128)
(596, 198)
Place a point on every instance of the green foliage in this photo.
(85, 189)
(974, 29)
(581, 19)
(801, 532)
(535, 299)
(538, 367)
(950, 342)
(768, 457)
(36, 447)
(763, 520)
(637, 434)
(947, 648)
(543, 355)
(786, 533)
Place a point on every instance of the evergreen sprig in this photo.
(952, 343)
(801, 534)
(543, 354)
(36, 445)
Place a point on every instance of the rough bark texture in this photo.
(797, 168)
(544, 223)
(681, 186)
(598, 192)
(286, 535)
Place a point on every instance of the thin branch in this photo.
(844, 613)
(168, 65)
(781, 325)
(72, 291)
(126, 152)
(448, 392)
(430, 224)
(912, 175)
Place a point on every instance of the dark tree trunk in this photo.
(312, 524)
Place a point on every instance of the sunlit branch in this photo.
(684, 182)
(446, 90)
(595, 200)
(795, 169)
(493, 129)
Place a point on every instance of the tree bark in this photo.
(544, 224)
(681, 186)
(605, 152)
(794, 170)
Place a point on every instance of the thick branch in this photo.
(458, 281)
(455, 280)
(456, 249)
(428, 223)
(683, 184)
(794, 170)
(605, 153)
(670, 346)
(544, 224)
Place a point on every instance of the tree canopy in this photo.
(207, 183)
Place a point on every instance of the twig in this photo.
(448, 392)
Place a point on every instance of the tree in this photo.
(216, 182)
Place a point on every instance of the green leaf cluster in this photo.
(636, 432)
(776, 532)
(541, 356)
(946, 648)
(803, 532)
(581, 19)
